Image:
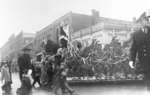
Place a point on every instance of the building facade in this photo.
(85, 28)
(105, 30)
(74, 21)
(15, 44)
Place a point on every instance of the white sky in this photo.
(33, 15)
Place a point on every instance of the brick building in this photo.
(104, 30)
(75, 21)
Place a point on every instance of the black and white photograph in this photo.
(74, 47)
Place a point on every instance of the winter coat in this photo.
(5, 75)
(140, 49)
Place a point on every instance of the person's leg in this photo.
(50, 80)
(57, 90)
(4, 86)
(35, 80)
(68, 87)
(8, 88)
(65, 87)
(20, 74)
(38, 80)
(9, 84)
(147, 81)
(10, 71)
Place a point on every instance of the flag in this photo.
(64, 36)
(66, 30)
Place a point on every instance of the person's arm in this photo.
(133, 50)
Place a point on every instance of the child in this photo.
(6, 78)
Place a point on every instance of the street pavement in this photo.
(104, 89)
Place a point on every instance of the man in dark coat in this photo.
(140, 48)
(24, 62)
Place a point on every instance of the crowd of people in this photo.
(52, 67)
(57, 62)
(50, 71)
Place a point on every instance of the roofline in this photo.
(115, 19)
(55, 21)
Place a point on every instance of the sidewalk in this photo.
(92, 87)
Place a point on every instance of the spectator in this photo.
(6, 77)
(24, 62)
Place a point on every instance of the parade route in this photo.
(90, 89)
(75, 47)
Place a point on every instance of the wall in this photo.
(80, 21)
(104, 31)
(13, 46)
